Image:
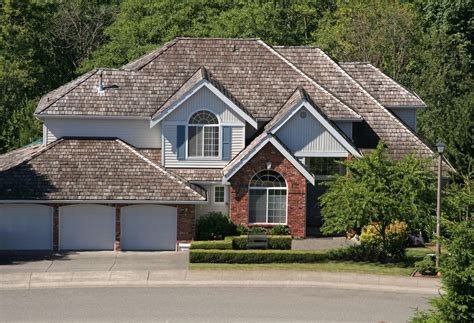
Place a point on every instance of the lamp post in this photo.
(440, 146)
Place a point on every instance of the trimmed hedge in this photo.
(274, 242)
(256, 256)
(212, 244)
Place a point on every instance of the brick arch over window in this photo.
(295, 183)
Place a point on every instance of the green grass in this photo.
(399, 269)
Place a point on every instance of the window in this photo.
(203, 135)
(267, 198)
(219, 194)
(325, 166)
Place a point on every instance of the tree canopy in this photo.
(424, 44)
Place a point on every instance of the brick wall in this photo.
(296, 183)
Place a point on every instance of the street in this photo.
(207, 304)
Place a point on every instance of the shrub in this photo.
(213, 244)
(241, 229)
(274, 242)
(362, 252)
(214, 226)
(396, 239)
(426, 266)
(257, 230)
(255, 256)
(280, 230)
(281, 242)
(240, 242)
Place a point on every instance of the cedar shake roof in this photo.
(17, 156)
(385, 89)
(92, 169)
(258, 77)
(200, 75)
(198, 174)
(379, 123)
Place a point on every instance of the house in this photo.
(132, 157)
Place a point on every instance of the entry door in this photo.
(149, 227)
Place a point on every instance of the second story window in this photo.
(203, 135)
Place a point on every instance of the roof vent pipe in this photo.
(100, 88)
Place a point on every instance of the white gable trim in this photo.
(191, 92)
(269, 139)
(329, 127)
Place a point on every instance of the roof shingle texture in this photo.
(379, 123)
(386, 90)
(90, 169)
(251, 71)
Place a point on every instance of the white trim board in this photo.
(269, 139)
(191, 92)
(330, 128)
(99, 202)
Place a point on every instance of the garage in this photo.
(26, 227)
(149, 227)
(86, 227)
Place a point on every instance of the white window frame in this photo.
(267, 189)
(214, 194)
(219, 136)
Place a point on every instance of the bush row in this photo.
(274, 242)
(240, 243)
(256, 256)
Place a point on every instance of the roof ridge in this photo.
(415, 135)
(300, 71)
(179, 179)
(151, 56)
(220, 38)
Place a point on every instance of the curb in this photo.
(148, 279)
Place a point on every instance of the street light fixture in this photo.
(440, 146)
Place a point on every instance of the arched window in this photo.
(203, 135)
(267, 198)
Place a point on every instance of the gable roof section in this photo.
(379, 122)
(73, 169)
(254, 147)
(201, 78)
(385, 89)
(296, 102)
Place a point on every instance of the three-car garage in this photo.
(88, 227)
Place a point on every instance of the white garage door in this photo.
(26, 227)
(86, 227)
(149, 227)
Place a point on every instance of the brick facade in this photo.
(296, 185)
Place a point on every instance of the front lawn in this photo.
(404, 268)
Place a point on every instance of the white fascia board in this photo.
(281, 149)
(79, 116)
(329, 127)
(322, 154)
(100, 202)
(293, 160)
(244, 161)
(216, 92)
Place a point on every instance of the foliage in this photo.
(282, 242)
(214, 226)
(241, 229)
(426, 266)
(380, 190)
(396, 239)
(213, 244)
(457, 269)
(255, 256)
(257, 229)
(279, 230)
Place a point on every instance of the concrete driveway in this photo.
(94, 261)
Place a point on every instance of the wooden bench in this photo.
(257, 241)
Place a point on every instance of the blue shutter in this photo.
(226, 142)
(181, 142)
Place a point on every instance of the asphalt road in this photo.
(207, 304)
